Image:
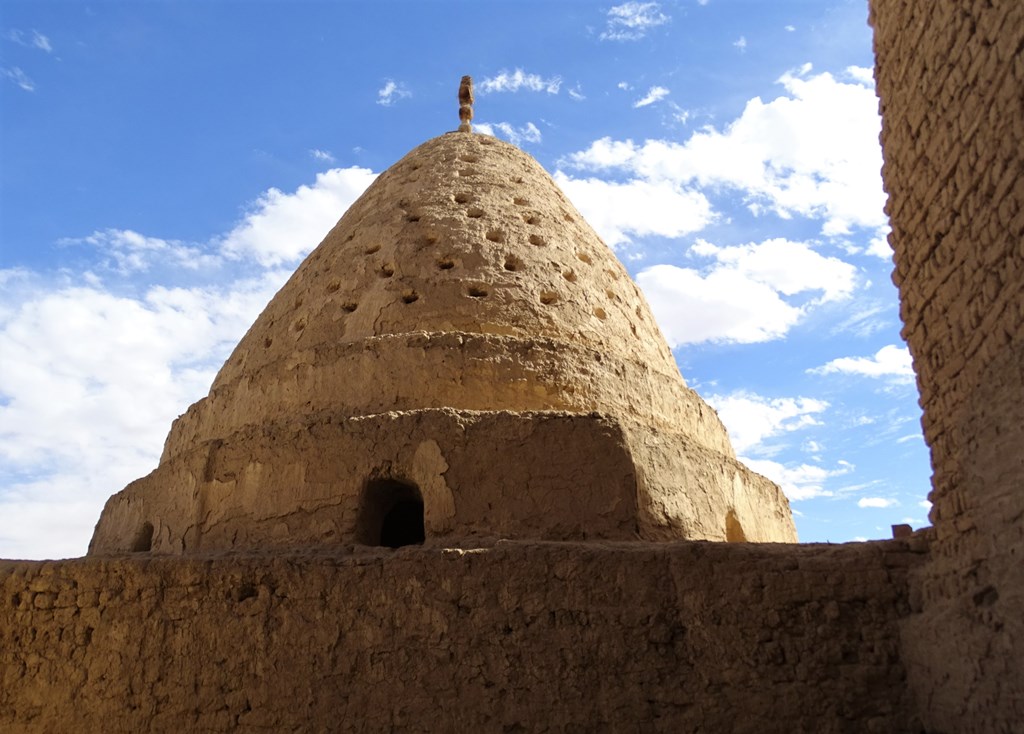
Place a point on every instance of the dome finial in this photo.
(466, 104)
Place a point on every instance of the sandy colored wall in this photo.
(950, 76)
(543, 637)
(482, 474)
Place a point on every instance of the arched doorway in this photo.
(143, 542)
(391, 514)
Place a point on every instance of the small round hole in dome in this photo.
(475, 291)
(349, 306)
(474, 212)
(513, 263)
(536, 239)
(386, 271)
(445, 263)
(531, 219)
(584, 257)
(569, 275)
(463, 198)
(600, 313)
(520, 201)
(333, 286)
(496, 235)
(372, 249)
(548, 298)
(267, 342)
(410, 297)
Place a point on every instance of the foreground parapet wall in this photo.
(951, 80)
(517, 637)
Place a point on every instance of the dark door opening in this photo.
(143, 542)
(391, 514)
(403, 525)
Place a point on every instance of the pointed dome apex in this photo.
(462, 280)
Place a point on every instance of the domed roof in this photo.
(463, 278)
(461, 356)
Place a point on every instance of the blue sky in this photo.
(165, 165)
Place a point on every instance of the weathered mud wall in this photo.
(950, 76)
(543, 637)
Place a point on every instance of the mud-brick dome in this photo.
(462, 278)
(461, 342)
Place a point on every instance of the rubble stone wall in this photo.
(950, 76)
(518, 637)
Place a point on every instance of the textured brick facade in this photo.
(560, 637)
(951, 80)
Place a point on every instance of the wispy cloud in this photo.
(32, 39)
(653, 95)
(125, 251)
(751, 419)
(528, 133)
(622, 210)
(746, 294)
(322, 155)
(16, 75)
(631, 21)
(799, 481)
(391, 92)
(76, 425)
(880, 502)
(740, 43)
(519, 79)
(813, 151)
(576, 94)
(890, 361)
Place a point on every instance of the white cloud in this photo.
(889, 361)
(528, 133)
(90, 384)
(92, 376)
(16, 75)
(653, 95)
(576, 94)
(798, 482)
(788, 267)
(740, 43)
(862, 74)
(751, 419)
(742, 297)
(281, 228)
(636, 208)
(879, 245)
(624, 86)
(391, 92)
(631, 21)
(813, 152)
(519, 79)
(876, 502)
(128, 252)
(322, 155)
(790, 28)
(35, 39)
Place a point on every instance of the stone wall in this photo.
(512, 638)
(950, 75)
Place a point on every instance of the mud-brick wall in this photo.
(517, 638)
(950, 76)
